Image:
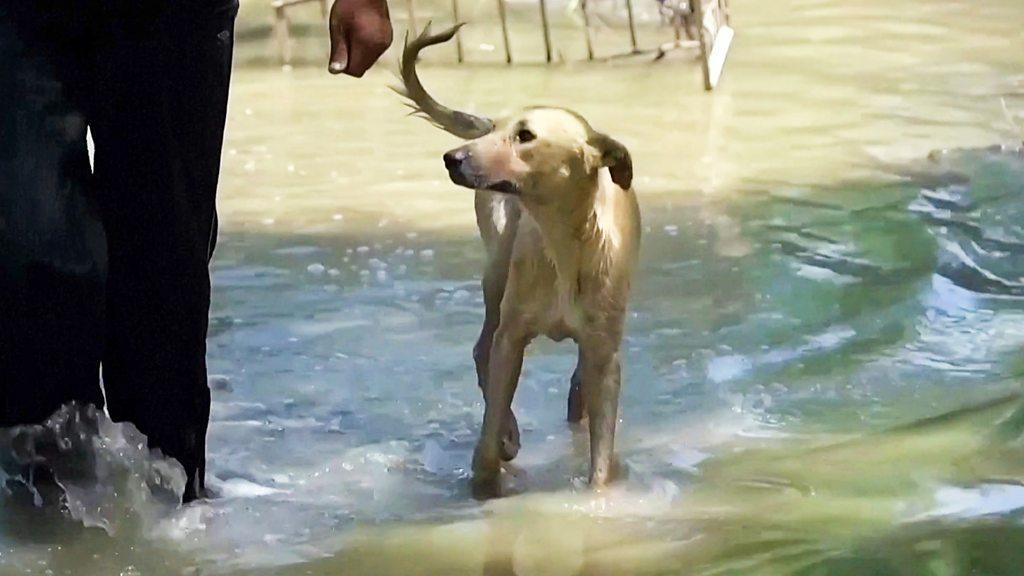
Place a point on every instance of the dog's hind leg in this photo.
(576, 408)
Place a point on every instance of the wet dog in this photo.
(561, 226)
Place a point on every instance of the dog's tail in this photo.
(462, 124)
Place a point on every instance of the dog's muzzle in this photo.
(456, 162)
(459, 163)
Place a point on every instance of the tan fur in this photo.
(561, 224)
(561, 252)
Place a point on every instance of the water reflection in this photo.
(908, 500)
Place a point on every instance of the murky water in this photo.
(812, 280)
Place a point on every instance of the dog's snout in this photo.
(455, 158)
(459, 163)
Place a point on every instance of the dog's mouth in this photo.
(459, 177)
(504, 187)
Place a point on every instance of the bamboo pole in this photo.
(547, 29)
(587, 32)
(282, 34)
(705, 50)
(504, 30)
(458, 35)
(632, 26)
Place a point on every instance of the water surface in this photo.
(813, 279)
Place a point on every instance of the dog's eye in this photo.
(525, 135)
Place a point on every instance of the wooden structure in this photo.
(716, 36)
(704, 23)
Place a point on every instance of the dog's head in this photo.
(536, 154)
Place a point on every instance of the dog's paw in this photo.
(510, 480)
(486, 464)
(510, 442)
(486, 481)
(612, 472)
(486, 487)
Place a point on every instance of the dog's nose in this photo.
(455, 158)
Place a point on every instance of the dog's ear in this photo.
(615, 157)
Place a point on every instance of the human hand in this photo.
(360, 33)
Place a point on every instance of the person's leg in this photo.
(158, 129)
(51, 245)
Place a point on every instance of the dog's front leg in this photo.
(602, 376)
(494, 288)
(495, 279)
(506, 362)
(498, 221)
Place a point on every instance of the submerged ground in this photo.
(813, 280)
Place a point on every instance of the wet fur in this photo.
(561, 227)
(561, 254)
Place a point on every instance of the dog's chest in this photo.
(548, 285)
(564, 315)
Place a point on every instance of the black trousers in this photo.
(109, 266)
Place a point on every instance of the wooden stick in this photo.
(586, 30)
(504, 30)
(281, 34)
(547, 29)
(458, 35)
(705, 50)
(632, 26)
(677, 26)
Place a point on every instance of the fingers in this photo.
(360, 33)
(339, 47)
(369, 39)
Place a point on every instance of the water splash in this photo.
(101, 473)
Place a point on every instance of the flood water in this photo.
(822, 353)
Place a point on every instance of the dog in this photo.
(561, 226)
